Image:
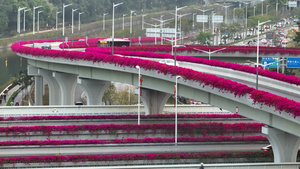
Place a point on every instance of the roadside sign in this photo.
(202, 18)
(168, 30)
(157, 32)
(270, 62)
(217, 18)
(293, 62)
(292, 4)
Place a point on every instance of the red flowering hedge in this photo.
(186, 128)
(249, 69)
(135, 140)
(130, 157)
(92, 117)
(224, 85)
(93, 42)
(229, 49)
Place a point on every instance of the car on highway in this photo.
(46, 45)
(78, 103)
(267, 148)
(169, 62)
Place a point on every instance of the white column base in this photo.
(94, 90)
(154, 101)
(67, 84)
(285, 146)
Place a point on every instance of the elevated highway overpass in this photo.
(281, 128)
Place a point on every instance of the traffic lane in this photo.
(17, 152)
(251, 83)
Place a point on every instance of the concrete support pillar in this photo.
(285, 146)
(94, 90)
(154, 101)
(38, 84)
(54, 93)
(67, 84)
(38, 94)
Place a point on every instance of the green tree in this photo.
(109, 95)
(253, 20)
(204, 38)
(3, 21)
(239, 13)
(297, 36)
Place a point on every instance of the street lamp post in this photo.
(131, 12)
(193, 27)
(113, 27)
(202, 10)
(234, 14)
(213, 24)
(161, 26)
(246, 23)
(209, 52)
(257, 52)
(24, 21)
(139, 94)
(172, 41)
(226, 7)
(180, 16)
(176, 9)
(254, 10)
(104, 21)
(73, 10)
(56, 19)
(123, 28)
(33, 24)
(79, 22)
(155, 26)
(19, 22)
(276, 7)
(262, 7)
(175, 92)
(143, 20)
(267, 9)
(63, 31)
(38, 26)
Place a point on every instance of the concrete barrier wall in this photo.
(100, 110)
(106, 136)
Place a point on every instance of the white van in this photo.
(169, 62)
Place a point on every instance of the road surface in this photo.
(125, 149)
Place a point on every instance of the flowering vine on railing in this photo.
(224, 85)
(229, 49)
(92, 117)
(183, 129)
(93, 42)
(130, 157)
(249, 69)
(135, 140)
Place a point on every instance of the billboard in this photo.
(292, 4)
(202, 18)
(270, 62)
(293, 62)
(157, 32)
(152, 30)
(217, 19)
